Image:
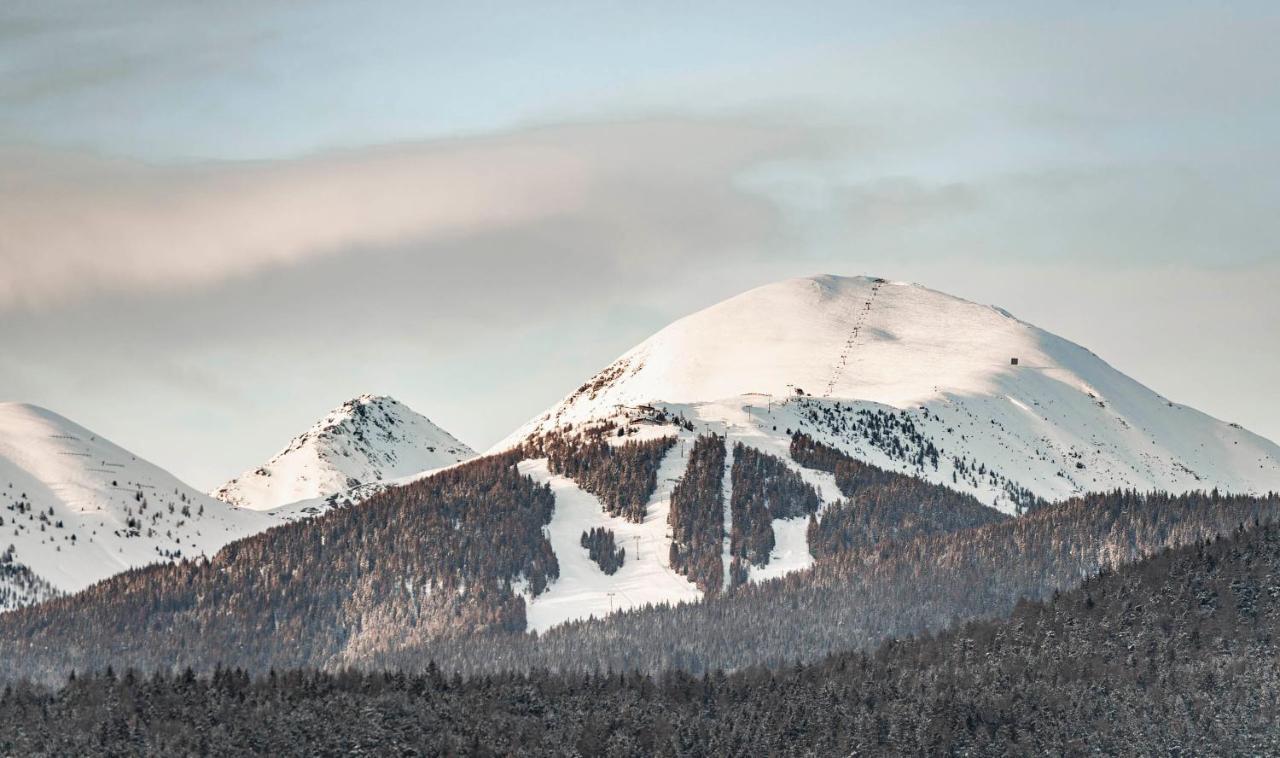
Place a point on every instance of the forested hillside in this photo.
(1175, 655)
(18, 585)
(882, 505)
(622, 476)
(863, 598)
(697, 516)
(764, 488)
(431, 559)
(399, 582)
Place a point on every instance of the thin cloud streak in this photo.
(77, 226)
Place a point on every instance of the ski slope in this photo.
(583, 590)
(352, 450)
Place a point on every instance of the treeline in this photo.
(882, 505)
(602, 549)
(623, 476)
(852, 475)
(1176, 655)
(859, 600)
(431, 559)
(697, 516)
(893, 433)
(764, 488)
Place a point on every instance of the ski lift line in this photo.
(852, 340)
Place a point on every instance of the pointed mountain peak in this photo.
(366, 440)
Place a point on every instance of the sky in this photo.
(219, 220)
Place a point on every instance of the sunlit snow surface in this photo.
(74, 477)
(1060, 422)
(84, 490)
(583, 590)
(364, 441)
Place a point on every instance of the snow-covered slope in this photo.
(582, 589)
(349, 453)
(896, 374)
(77, 508)
(892, 372)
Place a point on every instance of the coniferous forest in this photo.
(697, 516)
(399, 581)
(881, 505)
(603, 549)
(1173, 655)
(764, 488)
(622, 476)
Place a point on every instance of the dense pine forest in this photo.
(18, 585)
(1174, 655)
(864, 598)
(882, 505)
(292, 598)
(697, 516)
(764, 488)
(602, 547)
(623, 476)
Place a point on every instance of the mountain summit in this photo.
(367, 440)
(930, 384)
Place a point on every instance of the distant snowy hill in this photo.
(76, 508)
(358, 446)
(883, 370)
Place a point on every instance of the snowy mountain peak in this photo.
(893, 372)
(78, 508)
(366, 440)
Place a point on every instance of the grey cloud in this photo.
(75, 227)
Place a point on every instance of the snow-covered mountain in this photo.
(887, 370)
(350, 453)
(904, 377)
(76, 508)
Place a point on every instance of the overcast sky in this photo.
(219, 220)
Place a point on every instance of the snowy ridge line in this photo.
(937, 379)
